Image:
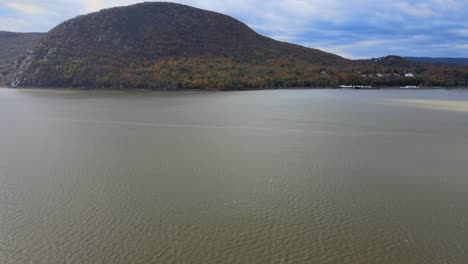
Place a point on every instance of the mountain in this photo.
(12, 46)
(107, 47)
(172, 46)
(455, 61)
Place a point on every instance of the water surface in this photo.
(292, 176)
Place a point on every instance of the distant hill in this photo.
(389, 61)
(399, 71)
(90, 50)
(12, 46)
(455, 61)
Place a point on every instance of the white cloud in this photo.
(93, 5)
(27, 8)
(461, 32)
(461, 46)
(346, 50)
(447, 4)
(415, 9)
(12, 24)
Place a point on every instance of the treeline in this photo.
(215, 73)
(227, 73)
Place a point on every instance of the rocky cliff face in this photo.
(87, 50)
(12, 46)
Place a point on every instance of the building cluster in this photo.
(382, 75)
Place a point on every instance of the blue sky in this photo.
(350, 28)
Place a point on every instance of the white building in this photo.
(409, 75)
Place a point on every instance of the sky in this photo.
(351, 28)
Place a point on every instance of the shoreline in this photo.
(76, 89)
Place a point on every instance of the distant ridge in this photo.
(389, 61)
(456, 61)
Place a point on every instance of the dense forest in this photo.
(226, 73)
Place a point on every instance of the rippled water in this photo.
(299, 176)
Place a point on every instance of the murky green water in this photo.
(303, 176)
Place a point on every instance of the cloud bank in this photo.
(353, 29)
